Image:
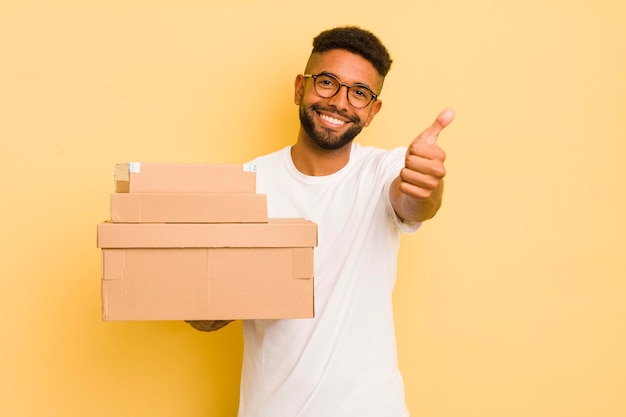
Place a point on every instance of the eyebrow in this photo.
(357, 83)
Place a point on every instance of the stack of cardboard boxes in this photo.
(194, 242)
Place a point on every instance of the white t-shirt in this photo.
(342, 363)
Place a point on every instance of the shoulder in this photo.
(269, 159)
(378, 157)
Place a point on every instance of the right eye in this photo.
(326, 82)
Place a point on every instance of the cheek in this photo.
(303, 97)
(368, 118)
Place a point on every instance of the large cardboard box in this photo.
(207, 271)
(152, 177)
(188, 208)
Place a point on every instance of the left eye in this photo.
(361, 93)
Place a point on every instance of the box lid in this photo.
(275, 233)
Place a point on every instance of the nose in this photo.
(340, 99)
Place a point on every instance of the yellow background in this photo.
(510, 303)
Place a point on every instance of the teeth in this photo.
(332, 120)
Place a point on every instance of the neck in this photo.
(312, 160)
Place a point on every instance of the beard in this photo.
(327, 138)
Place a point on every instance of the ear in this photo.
(298, 89)
(376, 106)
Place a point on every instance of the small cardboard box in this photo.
(188, 208)
(152, 177)
(207, 271)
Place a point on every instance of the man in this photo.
(343, 362)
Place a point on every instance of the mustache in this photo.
(333, 109)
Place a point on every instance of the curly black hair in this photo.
(358, 41)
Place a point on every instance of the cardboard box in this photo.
(207, 284)
(188, 208)
(207, 271)
(147, 177)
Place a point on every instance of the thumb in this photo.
(431, 133)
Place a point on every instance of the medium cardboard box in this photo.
(188, 208)
(207, 271)
(152, 177)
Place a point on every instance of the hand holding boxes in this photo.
(193, 242)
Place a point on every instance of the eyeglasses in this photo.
(327, 85)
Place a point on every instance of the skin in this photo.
(416, 193)
(307, 156)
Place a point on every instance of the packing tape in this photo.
(134, 167)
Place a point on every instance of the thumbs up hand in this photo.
(418, 190)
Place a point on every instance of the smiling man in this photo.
(343, 362)
(340, 126)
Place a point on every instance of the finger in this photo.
(419, 179)
(431, 133)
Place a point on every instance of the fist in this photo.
(208, 325)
